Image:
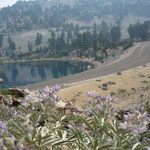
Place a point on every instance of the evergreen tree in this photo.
(12, 45)
(144, 31)
(104, 27)
(60, 44)
(76, 30)
(131, 31)
(1, 40)
(95, 40)
(118, 22)
(52, 41)
(53, 35)
(139, 31)
(38, 39)
(69, 35)
(30, 46)
(95, 27)
(79, 41)
(115, 34)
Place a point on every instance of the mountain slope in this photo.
(44, 14)
(66, 24)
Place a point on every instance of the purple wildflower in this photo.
(87, 111)
(98, 100)
(46, 89)
(26, 104)
(140, 108)
(128, 116)
(70, 126)
(135, 132)
(101, 108)
(96, 108)
(3, 127)
(144, 115)
(57, 88)
(142, 129)
(89, 101)
(97, 95)
(39, 96)
(103, 99)
(110, 106)
(135, 122)
(31, 98)
(109, 98)
(104, 106)
(40, 91)
(57, 99)
(148, 119)
(81, 127)
(90, 114)
(90, 93)
(123, 125)
(46, 96)
(115, 100)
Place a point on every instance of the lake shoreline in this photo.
(39, 71)
(95, 63)
(88, 60)
(91, 62)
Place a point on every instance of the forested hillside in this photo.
(30, 15)
(76, 27)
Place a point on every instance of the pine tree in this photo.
(30, 46)
(139, 31)
(38, 39)
(131, 31)
(115, 34)
(12, 45)
(95, 40)
(104, 27)
(1, 40)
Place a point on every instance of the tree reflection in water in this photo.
(23, 73)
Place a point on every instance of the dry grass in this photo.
(21, 40)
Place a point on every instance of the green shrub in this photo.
(112, 94)
(133, 89)
(142, 75)
(145, 81)
(122, 91)
(6, 92)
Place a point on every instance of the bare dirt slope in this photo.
(127, 87)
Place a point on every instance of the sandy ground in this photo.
(128, 88)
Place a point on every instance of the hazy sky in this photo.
(4, 3)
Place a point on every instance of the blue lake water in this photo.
(23, 73)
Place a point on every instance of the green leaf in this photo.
(95, 144)
(86, 123)
(104, 147)
(21, 140)
(33, 134)
(147, 134)
(17, 127)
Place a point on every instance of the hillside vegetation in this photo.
(37, 14)
(75, 28)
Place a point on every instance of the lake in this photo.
(29, 72)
